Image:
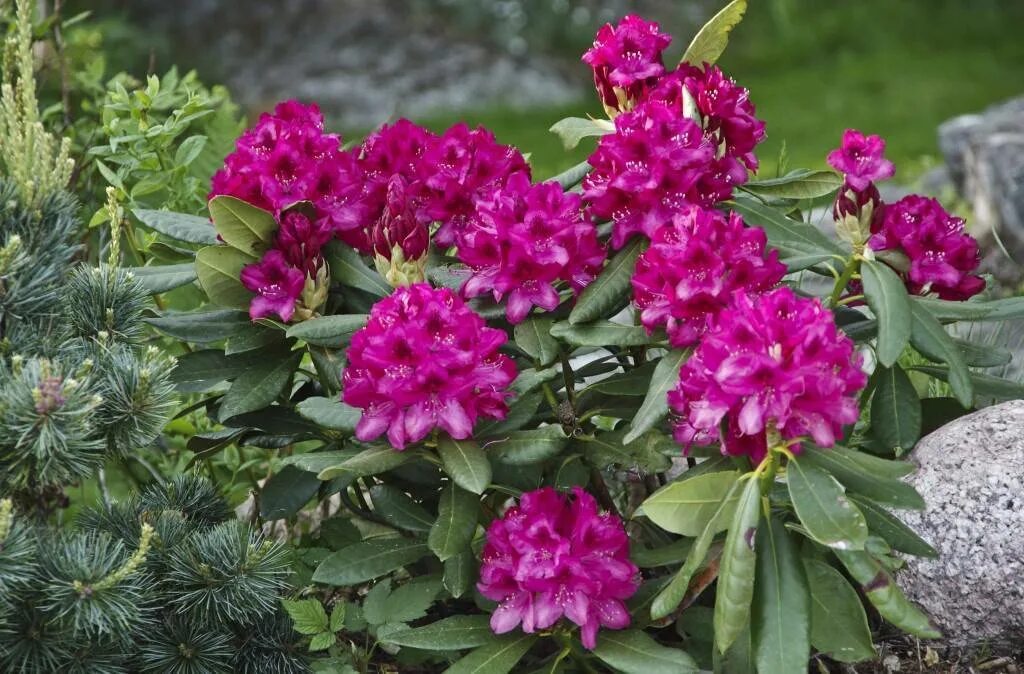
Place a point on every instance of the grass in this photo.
(893, 67)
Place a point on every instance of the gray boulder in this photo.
(971, 474)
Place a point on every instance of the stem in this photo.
(567, 376)
(604, 497)
(852, 267)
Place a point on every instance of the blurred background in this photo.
(897, 68)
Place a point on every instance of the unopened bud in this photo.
(400, 241)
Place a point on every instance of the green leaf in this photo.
(600, 333)
(688, 506)
(329, 364)
(983, 384)
(348, 268)
(736, 570)
(314, 462)
(798, 184)
(498, 656)
(179, 226)
(373, 604)
(666, 555)
(875, 465)
(994, 310)
(372, 461)
(459, 573)
(930, 338)
(791, 237)
(519, 414)
(164, 277)
(782, 603)
(983, 355)
(531, 446)
(465, 463)
(821, 505)
(399, 509)
(368, 560)
(634, 652)
(711, 40)
(201, 326)
(331, 331)
(189, 149)
(895, 409)
(286, 492)
(449, 634)
(457, 513)
(260, 385)
(330, 413)
(649, 455)
(858, 478)
(574, 129)
(897, 534)
(411, 601)
(338, 616)
(882, 591)
(572, 176)
(655, 404)
(308, 615)
(611, 288)
(740, 658)
(839, 626)
(888, 300)
(534, 337)
(243, 226)
(218, 269)
(321, 641)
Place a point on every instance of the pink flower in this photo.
(523, 240)
(277, 285)
(553, 556)
(694, 266)
(655, 163)
(398, 227)
(393, 150)
(942, 255)
(301, 241)
(459, 169)
(772, 364)
(625, 59)
(861, 160)
(424, 361)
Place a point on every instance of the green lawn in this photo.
(814, 68)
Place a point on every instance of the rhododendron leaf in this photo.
(534, 337)
(994, 310)
(398, 508)
(931, 339)
(372, 461)
(791, 237)
(367, 560)
(710, 41)
(873, 465)
(243, 226)
(572, 176)
(634, 652)
(465, 463)
(528, 380)
(330, 413)
(897, 534)
(448, 634)
(883, 593)
(314, 462)
(798, 184)
(253, 337)
(574, 129)
(453, 530)
(201, 326)
(332, 331)
(459, 574)
(329, 364)
(600, 333)
(497, 657)
(286, 492)
(655, 404)
(529, 446)
(839, 626)
(895, 409)
(688, 506)
(611, 287)
(519, 414)
(782, 603)
(348, 268)
(983, 355)
(857, 478)
(735, 588)
(260, 385)
(888, 300)
(823, 508)
(650, 455)
(666, 555)
(984, 384)
(218, 269)
(179, 226)
(164, 277)
(571, 473)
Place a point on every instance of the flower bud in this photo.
(399, 240)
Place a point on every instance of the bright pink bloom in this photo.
(553, 556)
(777, 362)
(861, 160)
(277, 285)
(301, 241)
(459, 169)
(523, 240)
(393, 150)
(425, 360)
(694, 266)
(626, 57)
(398, 225)
(942, 255)
(656, 162)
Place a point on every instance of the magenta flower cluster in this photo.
(774, 364)
(695, 264)
(525, 238)
(425, 361)
(553, 556)
(626, 60)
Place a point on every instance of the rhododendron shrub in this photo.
(550, 418)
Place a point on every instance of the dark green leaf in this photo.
(600, 333)
(882, 591)
(574, 129)
(178, 226)
(856, 476)
(687, 507)
(791, 237)
(534, 337)
(449, 634)
(368, 560)
(286, 492)
(995, 310)
(610, 288)
(218, 269)
(498, 656)
(823, 508)
(888, 300)
(253, 337)
(259, 385)
(781, 620)
(314, 462)
(895, 409)
(399, 509)
(875, 465)
(465, 463)
(634, 652)
(839, 627)
(649, 455)
(983, 355)
(937, 412)
(330, 331)
(983, 384)
(520, 412)
(897, 534)
(710, 41)
(573, 176)
(201, 326)
(655, 404)
(241, 225)
(348, 268)
(459, 574)
(666, 555)
(164, 277)
(372, 461)
(329, 364)
(931, 339)
(798, 184)
(453, 530)
(736, 570)
(330, 413)
(530, 446)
